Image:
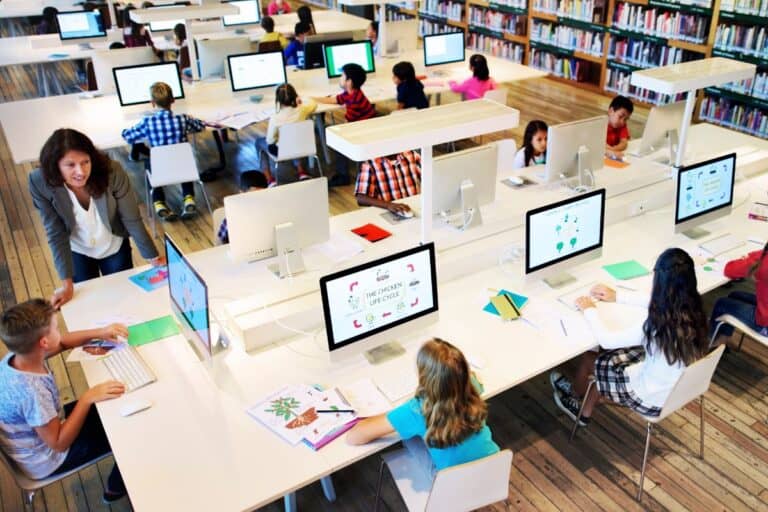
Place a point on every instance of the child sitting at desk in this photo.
(135, 34)
(32, 432)
(410, 90)
(249, 181)
(480, 82)
(268, 24)
(49, 24)
(305, 14)
(278, 7)
(294, 52)
(640, 364)
(162, 129)
(617, 138)
(534, 150)
(358, 108)
(383, 181)
(447, 412)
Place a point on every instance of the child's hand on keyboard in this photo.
(584, 303)
(603, 293)
(115, 332)
(104, 391)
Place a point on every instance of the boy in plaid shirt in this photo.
(382, 181)
(161, 129)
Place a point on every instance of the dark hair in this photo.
(620, 102)
(50, 23)
(532, 129)
(59, 144)
(404, 71)
(301, 27)
(354, 72)
(252, 179)
(180, 31)
(375, 27)
(22, 325)
(145, 5)
(479, 67)
(305, 14)
(676, 323)
(128, 22)
(286, 95)
(268, 24)
(49, 14)
(116, 45)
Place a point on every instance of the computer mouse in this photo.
(404, 214)
(133, 406)
(515, 180)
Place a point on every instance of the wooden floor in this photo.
(598, 471)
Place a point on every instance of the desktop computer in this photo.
(106, 60)
(133, 82)
(443, 48)
(313, 47)
(250, 15)
(661, 129)
(704, 193)
(339, 54)
(366, 307)
(462, 182)
(212, 54)
(82, 27)
(563, 234)
(249, 71)
(278, 221)
(576, 150)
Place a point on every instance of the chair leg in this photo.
(289, 502)
(151, 210)
(205, 196)
(645, 460)
(29, 500)
(328, 490)
(715, 334)
(738, 349)
(378, 487)
(319, 165)
(581, 409)
(701, 429)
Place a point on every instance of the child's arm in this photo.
(739, 269)
(329, 100)
(135, 133)
(620, 147)
(459, 87)
(112, 332)
(364, 200)
(370, 429)
(59, 435)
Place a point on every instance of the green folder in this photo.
(153, 330)
(626, 270)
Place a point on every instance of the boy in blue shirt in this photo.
(32, 432)
(294, 53)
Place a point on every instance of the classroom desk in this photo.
(208, 454)
(29, 123)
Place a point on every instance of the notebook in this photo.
(372, 232)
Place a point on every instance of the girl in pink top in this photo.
(481, 82)
(278, 7)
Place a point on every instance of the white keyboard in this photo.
(126, 365)
(398, 385)
(569, 298)
(721, 244)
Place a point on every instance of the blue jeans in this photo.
(91, 268)
(742, 305)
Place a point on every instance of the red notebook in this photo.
(372, 232)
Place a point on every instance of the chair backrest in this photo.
(738, 324)
(216, 218)
(497, 95)
(269, 46)
(693, 382)
(505, 151)
(172, 164)
(296, 140)
(471, 485)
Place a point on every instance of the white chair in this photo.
(498, 95)
(741, 326)
(29, 486)
(172, 165)
(459, 488)
(216, 217)
(297, 140)
(692, 384)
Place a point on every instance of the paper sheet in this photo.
(153, 330)
(365, 398)
(94, 350)
(151, 279)
(398, 385)
(240, 120)
(340, 248)
(623, 270)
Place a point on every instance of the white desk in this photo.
(206, 446)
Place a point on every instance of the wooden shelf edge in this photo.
(589, 57)
(685, 45)
(516, 38)
(544, 16)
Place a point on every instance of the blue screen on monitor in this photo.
(188, 291)
(81, 24)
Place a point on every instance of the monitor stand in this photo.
(385, 352)
(696, 233)
(85, 46)
(581, 158)
(470, 215)
(559, 280)
(289, 259)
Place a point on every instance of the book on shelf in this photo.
(748, 7)
(747, 39)
(647, 54)
(756, 87)
(568, 38)
(498, 21)
(569, 68)
(661, 23)
(496, 47)
(451, 10)
(733, 114)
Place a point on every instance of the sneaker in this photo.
(570, 405)
(304, 176)
(189, 210)
(560, 383)
(165, 213)
(339, 180)
(111, 496)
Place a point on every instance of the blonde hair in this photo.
(162, 94)
(450, 404)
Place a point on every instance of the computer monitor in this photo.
(462, 182)
(250, 13)
(105, 60)
(189, 299)
(358, 52)
(278, 221)
(443, 48)
(251, 71)
(661, 128)
(165, 25)
(576, 150)
(313, 47)
(133, 82)
(704, 193)
(212, 53)
(376, 301)
(563, 234)
(81, 26)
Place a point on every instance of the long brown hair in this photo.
(64, 140)
(451, 405)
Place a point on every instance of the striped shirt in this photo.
(390, 180)
(163, 128)
(28, 400)
(358, 106)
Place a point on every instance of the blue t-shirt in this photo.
(408, 421)
(411, 94)
(294, 54)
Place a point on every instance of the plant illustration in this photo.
(285, 407)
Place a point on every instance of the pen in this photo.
(334, 410)
(625, 287)
(512, 303)
(563, 326)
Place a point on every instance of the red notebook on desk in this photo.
(372, 232)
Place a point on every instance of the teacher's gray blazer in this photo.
(118, 204)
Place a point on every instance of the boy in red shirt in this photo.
(616, 139)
